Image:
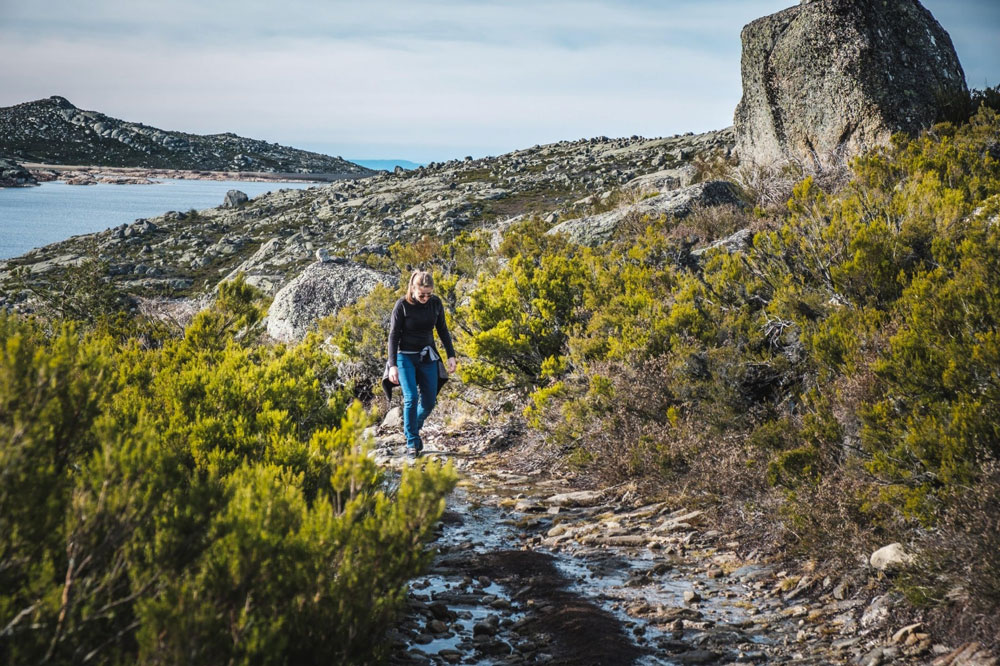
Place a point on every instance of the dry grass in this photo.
(177, 313)
(770, 186)
(959, 564)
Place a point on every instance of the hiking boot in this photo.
(412, 453)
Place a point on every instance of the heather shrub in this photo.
(208, 500)
(958, 570)
(82, 292)
(518, 320)
(359, 334)
(851, 348)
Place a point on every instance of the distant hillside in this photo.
(273, 237)
(388, 165)
(53, 131)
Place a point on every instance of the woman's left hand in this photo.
(452, 364)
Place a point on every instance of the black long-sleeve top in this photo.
(411, 327)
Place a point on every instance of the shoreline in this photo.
(91, 175)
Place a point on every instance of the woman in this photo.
(413, 359)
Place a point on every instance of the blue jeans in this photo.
(419, 381)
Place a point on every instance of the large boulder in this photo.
(13, 174)
(321, 289)
(661, 181)
(235, 199)
(599, 228)
(827, 79)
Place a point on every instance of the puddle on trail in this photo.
(474, 526)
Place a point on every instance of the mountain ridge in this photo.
(54, 131)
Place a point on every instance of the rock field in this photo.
(273, 237)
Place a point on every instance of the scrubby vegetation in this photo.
(194, 499)
(837, 379)
(834, 387)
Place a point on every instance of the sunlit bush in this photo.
(207, 501)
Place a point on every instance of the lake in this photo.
(31, 217)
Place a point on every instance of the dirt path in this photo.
(530, 571)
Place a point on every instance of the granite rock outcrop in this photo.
(827, 79)
(320, 290)
(678, 204)
(13, 174)
(275, 236)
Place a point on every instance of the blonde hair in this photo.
(418, 279)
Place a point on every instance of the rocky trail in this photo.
(529, 570)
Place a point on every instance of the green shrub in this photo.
(205, 501)
(82, 292)
(790, 468)
(360, 334)
(520, 319)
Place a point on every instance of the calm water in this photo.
(34, 216)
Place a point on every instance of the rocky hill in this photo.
(271, 238)
(53, 131)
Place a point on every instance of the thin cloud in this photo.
(423, 79)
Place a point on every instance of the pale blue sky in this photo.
(410, 79)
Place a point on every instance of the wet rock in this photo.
(450, 656)
(440, 611)
(490, 646)
(557, 530)
(525, 505)
(673, 614)
(578, 498)
(697, 657)
(690, 597)
(484, 628)
(624, 540)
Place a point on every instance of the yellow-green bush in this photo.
(520, 319)
(207, 501)
(853, 346)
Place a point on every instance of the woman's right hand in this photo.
(394, 375)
